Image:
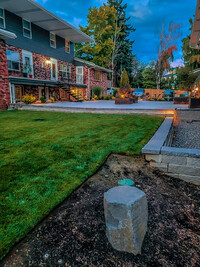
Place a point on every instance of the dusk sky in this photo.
(147, 16)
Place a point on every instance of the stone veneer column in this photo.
(4, 78)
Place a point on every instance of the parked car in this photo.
(139, 92)
(169, 94)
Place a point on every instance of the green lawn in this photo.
(46, 155)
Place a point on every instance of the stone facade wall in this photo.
(4, 79)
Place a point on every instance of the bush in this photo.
(114, 92)
(97, 91)
(43, 99)
(28, 99)
(108, 97)
(52, 99)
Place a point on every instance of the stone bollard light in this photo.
(126, 215)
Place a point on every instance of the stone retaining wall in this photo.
(179, 163)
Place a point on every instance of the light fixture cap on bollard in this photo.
(126, 182)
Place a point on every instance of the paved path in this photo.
(141, 105)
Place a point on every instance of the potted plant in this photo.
(27, 69)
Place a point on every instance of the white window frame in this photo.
(4, 21)
(13, 61)
(95, 75)
(24, 28)
(51, 40)
(68, 47)
(79, 75)
(65, 69)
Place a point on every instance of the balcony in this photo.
(37, 72)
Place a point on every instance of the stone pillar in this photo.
(4, 78)
(126, 215)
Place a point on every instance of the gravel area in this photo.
(187, 135)
(73, 234)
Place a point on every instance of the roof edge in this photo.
(92, 64)
(61, 20)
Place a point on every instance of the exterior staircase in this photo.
(75, 97)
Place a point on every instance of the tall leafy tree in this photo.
(122, 56)
(101, 27)
(166, 50)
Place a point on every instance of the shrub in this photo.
(114, 92)
(97, 91)
(52, 99)
(95, 97)
(28, 99)
(43, 99)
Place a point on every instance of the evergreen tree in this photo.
(122, 57)
(124, 82)
(149, 77)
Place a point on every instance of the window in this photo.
(79, 75)
(52, 40)
(67, 46)
(27, 29)
(13, 60)
(97, 75)
(65, 71)
(2, 18)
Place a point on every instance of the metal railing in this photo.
(45, 73)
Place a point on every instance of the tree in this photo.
(186, 79)
(138, 79)
(166, 50)
(122, 56)
(191, 56)
(149, 76)
(101, 27)
(124, 90)
(124, 83)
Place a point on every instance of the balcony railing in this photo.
(45, 73)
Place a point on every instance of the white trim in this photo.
(51, 40)
(4, 19)
(6, 35)
(54, 61)
(30, 55)
(69, 46)
(13, 61)
(78, 80)
(24, 28)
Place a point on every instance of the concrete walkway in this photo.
(106, 107)
(141, 105)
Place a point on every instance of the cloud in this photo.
(76, 22)
(177, 63)
(61, 13)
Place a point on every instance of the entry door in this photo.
(27, 63)
(54, 74)
(79, 75)
(19, 92)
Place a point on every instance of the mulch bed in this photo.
(74, 233)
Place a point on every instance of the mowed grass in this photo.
(46, 155)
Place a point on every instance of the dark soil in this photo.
(74, 234)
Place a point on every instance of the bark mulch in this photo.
(74, 233)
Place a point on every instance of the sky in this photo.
(146, 16)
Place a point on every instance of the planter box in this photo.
(125, 101)
(194, 103)
(181, 100)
